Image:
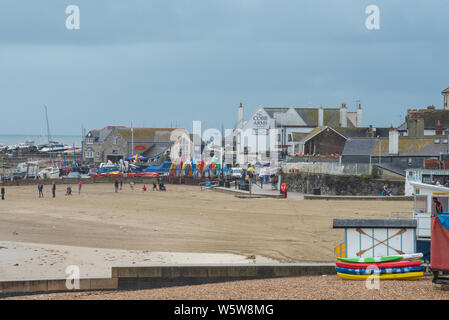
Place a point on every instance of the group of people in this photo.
(40, 189)
(156, 186)
(117, 184)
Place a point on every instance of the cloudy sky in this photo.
(168, 62)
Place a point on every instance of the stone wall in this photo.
(339, 184)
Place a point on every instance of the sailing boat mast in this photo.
(48, 125)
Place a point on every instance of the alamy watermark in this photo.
(373, 281)
(72, 281)
(372, 22)
(72, 22)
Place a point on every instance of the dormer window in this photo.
(437, 140)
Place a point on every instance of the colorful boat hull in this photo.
(393, 276)
(382, 259)
(399, 264)
(380, 271)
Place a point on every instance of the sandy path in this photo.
(183, 219)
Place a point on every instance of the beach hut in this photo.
(376, 237)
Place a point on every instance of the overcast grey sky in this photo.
(157, 62)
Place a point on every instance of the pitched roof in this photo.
(272, 110)
(431, 116)
(353, 132)
(309, 115)
(411, 146)
(298, 136)
(147, 134)
(358, 147)
(316, 131)
(445, 90)
(331, 116)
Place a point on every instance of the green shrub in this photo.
(375, 172)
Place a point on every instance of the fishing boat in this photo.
(49, 173)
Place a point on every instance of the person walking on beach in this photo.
(40, 188)
(116, 185)
(154, 186)
(3, 193)
(121, 183)
(80, 184)
(53, 190)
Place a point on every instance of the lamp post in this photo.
(378, 142)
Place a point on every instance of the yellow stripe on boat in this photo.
(392, 276)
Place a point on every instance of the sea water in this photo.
(11, 139)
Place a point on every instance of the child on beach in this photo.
(144, 188)
(69, 191)
(80, 184)
(131, 185)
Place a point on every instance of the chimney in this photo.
(343, 116)
(393, 141)
(320, 116)
(370, 131)
(415, 124)
(359, 116)
(445, 94)
(438, 128)
(240, 116)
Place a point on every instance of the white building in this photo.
(272, 128)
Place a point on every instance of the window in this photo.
(115, 140)
(296, 148)
(290, 137)
(437, 140)
(89, 153)
(421, 204)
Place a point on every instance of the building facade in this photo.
(273, 129)
(114, 143)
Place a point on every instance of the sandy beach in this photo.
(101, 228)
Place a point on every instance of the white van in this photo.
(236, 172)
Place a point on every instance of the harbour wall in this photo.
(344, 185)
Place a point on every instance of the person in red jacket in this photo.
(438, 206)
